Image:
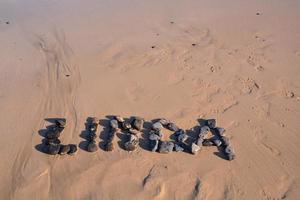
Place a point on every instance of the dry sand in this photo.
(77, 59)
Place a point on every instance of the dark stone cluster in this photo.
(52, 143)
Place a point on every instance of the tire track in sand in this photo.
(60, 79)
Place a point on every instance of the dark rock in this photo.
(114, 124)
(182, 137)
(92, 127)
(60, 122)
(172, 127)
(153, 144)
(156, 132)
(178, 148)
(92, 136)
(109, 146)
(229, 153)
(204, 130)
(164, 121)
(154, 137)
(199, 141)
(132, 144)
(157, 126)
(216, 142)
(211, 123)
(52, 141)
(92, 147)
(119, 119)
(219, 131)
(166, 147)
(225, 141)
(126, 125)
(73, 149)
(138, 123)
(53, 149)
(207, 142)
(51, 135)
(64, 149)
(133, 131)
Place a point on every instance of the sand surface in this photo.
(78, 59)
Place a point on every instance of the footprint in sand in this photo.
(248, 85)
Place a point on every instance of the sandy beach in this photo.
(235, 61)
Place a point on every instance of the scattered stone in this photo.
(164, 121)
(7, 22)
(172, 127)
(193, 44)
(73, 149)
(154, 136)
(114, 124)
(157, 126)
(199, 141)
(153, 145)
(126, 125)
(60, 122)
(133, 131)
(211, 123)
(92, 136)
(178, 148)
(257, 13)
(109, 146)
(217, 142)
(229, 153)
(138, 123)
(92, 127)
(152, 47)
(119, 119)
(52, 141)
(52, 134)
(204, 130)
(207, 143)
(289, 94)
(182, 137)
(166, 147)
(225, 141)
(53, 149)
(132, 144)
(92, 146)
(219, 131)
(64, 149)
(195, 148)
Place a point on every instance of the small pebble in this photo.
(164, 121)
(109, 146)
(211, 123)
(166, 147)
(133, 131)
(195, 148)
(178, 148)
(114, 124)
(60, 122)
(119, 119)
(207, 143)
(217, 142)
(73, 149)
(154, 137)
(92, 127)
(52, 141)
(53, 149)
(219, 131)
(182, 137)
(229, 153)
(50, 134)
(64, 149)
(92, 136)
(153, 144)
(92, 146)
(172, 127)
(157, 126)
(138, 123)
(126, 125)
(225, 141)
